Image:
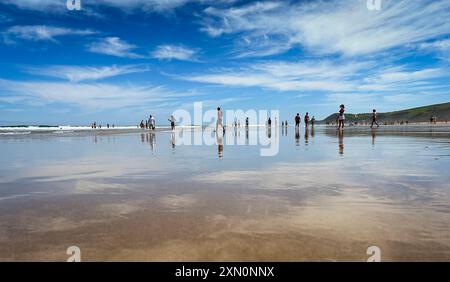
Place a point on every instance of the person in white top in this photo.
(219, 119)
(151, 122)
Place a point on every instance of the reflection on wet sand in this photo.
(219, 139)
(340, 134)
(119, 203)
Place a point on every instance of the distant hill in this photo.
(421, 114)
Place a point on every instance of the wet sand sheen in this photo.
(121, 200)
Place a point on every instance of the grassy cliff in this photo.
(421, 114)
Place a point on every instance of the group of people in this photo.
(149, 123)
(306, 119)
(94, 125)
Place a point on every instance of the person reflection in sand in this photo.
(142, 138)
(312, 130)
(297, 136)
(374, 135)
(219, 138)
(306, 135)
(269, 132)
(152, 140)
(341, 142)
(246, 136)
(172, 139)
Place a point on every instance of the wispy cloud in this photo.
(42, 32)
(85, 96)
(85, 73)
(174, 52)
(335, 76)
(329, 27)
(114, 46)
(439, 47)
(284, 76)
(129, 5)
(40, 5)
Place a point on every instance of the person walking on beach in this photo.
(306, 119)
(172, 121)
(374, 118)
(297, 120)
(341, 117)
(219, 119)
(269, 122)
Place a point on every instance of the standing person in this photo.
(151, 123)
(286, 124)
(374, 118)
(306, 119)
(142, 124)
(219, 119)
(172, 121)
(146, 124)
(246, 122)
(297, 120)
(341, 116)
(269, 122)
(312, 121)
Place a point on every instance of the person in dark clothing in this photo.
(297, 120)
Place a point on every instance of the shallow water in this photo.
(131, 196)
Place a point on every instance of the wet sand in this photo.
(133, 196)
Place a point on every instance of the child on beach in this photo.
(341, 117)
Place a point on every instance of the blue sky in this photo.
(119, 61)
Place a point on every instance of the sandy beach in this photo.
(133, 196)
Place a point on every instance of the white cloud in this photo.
(169, 52)
(141, 5)
(40, 5)
(114, 46)
(87, 96)
(84, 73)
(440, 47)
(146, 5)
(330, 27)
(331, 76)
(42, 32)
(283, 76)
